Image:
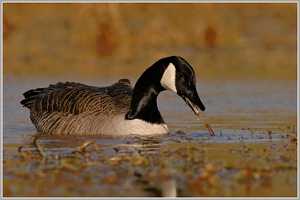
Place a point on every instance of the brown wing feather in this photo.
(76, 98)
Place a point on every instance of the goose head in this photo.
(180, 78)
(169, 73)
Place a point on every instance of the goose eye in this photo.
(180, 75)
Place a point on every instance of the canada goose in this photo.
(74, 108)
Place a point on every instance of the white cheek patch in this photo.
(169, 77)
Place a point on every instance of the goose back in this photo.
(73, 108)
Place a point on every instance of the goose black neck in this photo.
(144, 98)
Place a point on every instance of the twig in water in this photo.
(211, 132)
(85, 145)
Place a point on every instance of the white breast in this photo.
(118, 126)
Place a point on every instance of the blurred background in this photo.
(220, 40)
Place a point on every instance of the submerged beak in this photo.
(193, 100)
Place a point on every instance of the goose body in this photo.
(73, 108)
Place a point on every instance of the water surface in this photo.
(249, 119)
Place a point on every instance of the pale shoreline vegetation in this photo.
(234, 40)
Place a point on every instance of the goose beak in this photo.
(193, 100)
